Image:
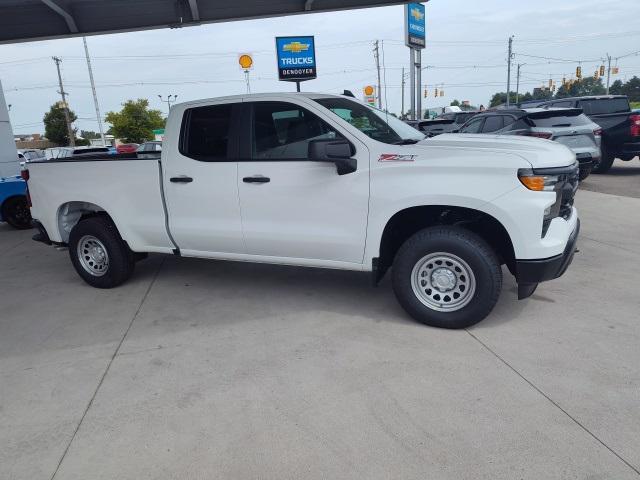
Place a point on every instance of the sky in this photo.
(466, 55)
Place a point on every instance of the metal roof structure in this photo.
(28, 20)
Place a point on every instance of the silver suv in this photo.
(568, 126)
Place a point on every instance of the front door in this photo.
(292, 206)
(200, 180)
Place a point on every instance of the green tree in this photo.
(617, 88)
(55, 126)
(581, 88)
(632, 89)
(135, 122)
(89, 134)
(455, 103)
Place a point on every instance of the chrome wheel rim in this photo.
(443, 282)
(93, 256)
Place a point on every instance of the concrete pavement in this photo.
(202, 369)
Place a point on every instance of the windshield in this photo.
(374, 123)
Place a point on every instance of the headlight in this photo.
(537, 182)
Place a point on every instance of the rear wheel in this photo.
(606, 160)
(15, 211)
(447, 277)
(99, 254)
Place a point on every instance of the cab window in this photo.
(282, 131)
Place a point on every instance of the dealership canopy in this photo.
(24, 20)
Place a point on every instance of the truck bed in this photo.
(126, 186)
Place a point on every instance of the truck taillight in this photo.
(24, 173)
(597, 132)
(635, 125)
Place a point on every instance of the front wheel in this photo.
(447, 277)
(99, 254)
(15, 211)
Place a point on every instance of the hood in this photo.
(538, 152)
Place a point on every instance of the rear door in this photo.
(292, 206)
(200, 178)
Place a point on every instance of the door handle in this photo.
(181, 179)
(256, 179)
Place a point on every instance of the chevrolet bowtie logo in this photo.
(295, 47)
(417, 14)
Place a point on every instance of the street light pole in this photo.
(93, 89)
(169, 101)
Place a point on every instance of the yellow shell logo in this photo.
(368, 90)
(245, 61)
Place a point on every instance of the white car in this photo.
(323, 181)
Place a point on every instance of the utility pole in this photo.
(608, 71)
(67, 118)
(412, 84)
(93, 89)
(509, 68)
(402, 94)
(168, 100)
(376, 55)
(518, 83)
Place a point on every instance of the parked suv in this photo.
(568, 126)
(445, 123)
(620, 126)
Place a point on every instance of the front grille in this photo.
(568, 178)
(568, 192)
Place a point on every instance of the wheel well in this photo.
(70, 213)
(409, 221)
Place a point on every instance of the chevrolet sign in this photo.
(414, 25)
(296, 58)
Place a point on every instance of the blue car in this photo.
(14, 207)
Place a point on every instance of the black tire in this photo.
(15, 211)
(120, 259)
(606, 160)
(456, 242)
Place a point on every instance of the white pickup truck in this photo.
(322, 181)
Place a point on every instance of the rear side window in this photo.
(473, 126)
(491, 124)
(205, 132)
(605, 105)
(561, 121)
(463, 117)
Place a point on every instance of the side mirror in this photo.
(337, 151)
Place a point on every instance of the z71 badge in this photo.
(393, 157)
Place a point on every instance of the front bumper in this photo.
(531, 272)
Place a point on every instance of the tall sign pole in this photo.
(414, 38)
(418, 84)
(412, 83)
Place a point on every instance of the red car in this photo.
(127, 148)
